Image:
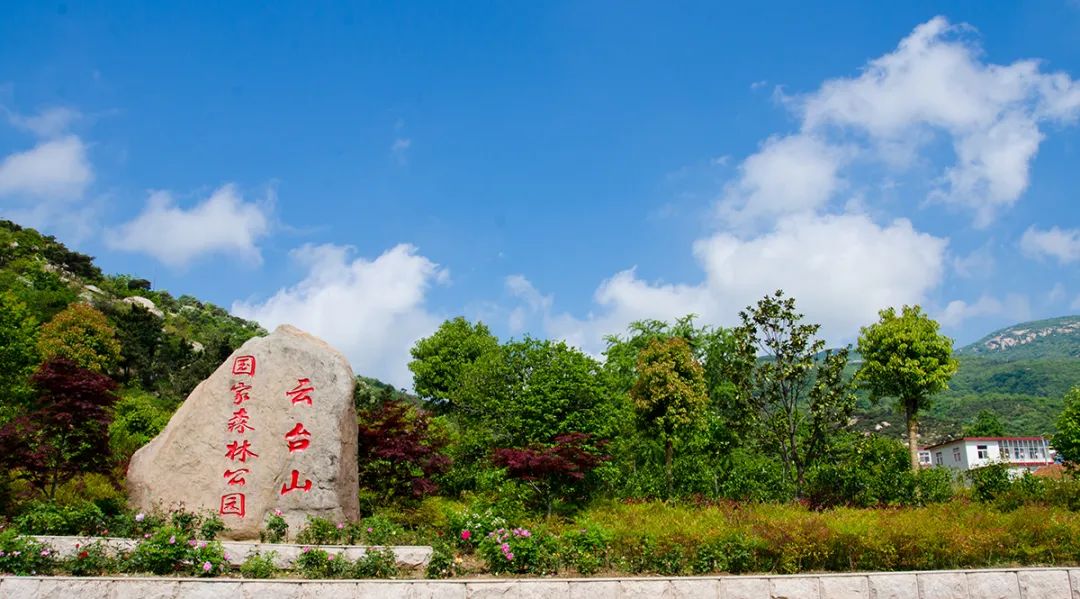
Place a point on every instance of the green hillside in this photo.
(1053, 338)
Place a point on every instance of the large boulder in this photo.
(274, 428)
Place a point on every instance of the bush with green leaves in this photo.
(276, 529)
(92, 559)
(468, 528)
(259, 565)
(50, 518)
(206, 558)
(585, 549)
(320, 531)
(163, 552)
(934, 485)
(380, 530)
(376, 563)
(25, 556)
(443, 562)
(519, 551)
(990, 481)
(317, 563)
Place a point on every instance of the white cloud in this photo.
(400, 150)
(935, 81)
(1056, 294)
(1061, 244)
(841, 269)
(790, 174)
(372, 310)
(978, 264)
(1015, 306)
(50, 122)
(54, 170)
(222, 224)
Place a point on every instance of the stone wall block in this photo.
(263, 590)
(942, 585)
(1044, 584)
(327, 590)
(437, 590)
(844, 587)
(521, 589)
(737, 587)
(993, 585)
(794, 588)
(382, 590)
(695, 589)
(893, 586)
(193, 589)
(146, 588)
(645, 588)
(595, 589)
(1074, 583)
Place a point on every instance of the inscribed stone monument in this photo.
(274, 428)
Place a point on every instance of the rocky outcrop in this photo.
(274, 428)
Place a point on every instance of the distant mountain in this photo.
(1038, 339)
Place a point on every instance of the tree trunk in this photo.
(669, 454)
(912, 437)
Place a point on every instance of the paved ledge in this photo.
(1021, 583)
(408, 556)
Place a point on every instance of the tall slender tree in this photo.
(905, 358)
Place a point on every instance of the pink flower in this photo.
(140, 517)
(466, 535)
(202, 544)
(305, 550)
(172, 540)
(190, 543)
(369, 529)
(227, 558)
(340, 525)
(277, 512)
(505, 547)
(44, 553)
(509, 557)
(330, 557)
(146, 536)
(207, 566)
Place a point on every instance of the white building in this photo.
(1020, 453)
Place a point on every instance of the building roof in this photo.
(985, 439)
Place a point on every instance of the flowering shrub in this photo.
(470, 527)
(206, 558)
(24, 556)
(518, 551)
(380, 530)
(316, 563)
(163, 552)
(319, 531)
(92, 559)
(443, 562)
(585, 549)
(49, 518)
(376, 563)
(277, 529)
(259, 565)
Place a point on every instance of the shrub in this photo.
(93, 559)
(443, 562)
(206, 558)
(933, 485)
(211, 526)
(989, 481)
(316, 563)
(163, 552)
(376, 563)
(585, 549)
(319, 531)
(380, 530)
(259, 565)
(519, 551)
(468, 528)
(276, 530)
(24, 556)
(49, 518)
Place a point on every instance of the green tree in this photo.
(797, 400)
(141, 335)
(986, 424)
(669, 393)
(18, 353)
(83, 335)
(439, 361)
(904, 357)
(1067, 439)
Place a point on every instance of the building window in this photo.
(940, 460)
(1033, 453)
(1018, 453)
(983, 453)
(956, 454)
(1003, 451)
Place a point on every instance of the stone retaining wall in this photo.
(1024, 583)
(407, 556)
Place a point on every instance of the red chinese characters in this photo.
(294, 484)
(296, 438)
(239, 422)
(236, 477)
(232, 504)
(240, 393)
(301, 393)
(244, 365)
(240, 451)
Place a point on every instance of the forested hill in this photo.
(1020, 372)
(1055, 338)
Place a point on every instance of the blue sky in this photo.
(365, 171)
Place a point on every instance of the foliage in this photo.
(138, 417)
(555, 471)
(400, 452)
(669, 393)
(986, 424)
(24, 556)
(874, 471)
(317, 563)
(988, 482)
(18, 352)
(92, 559)
(163, 552)
(276, 529)
(904, 357)
(49, 518)
(467, 528)
(82, 335)
(796, 401)
(259, 565)
(376, 563)
(370, 393)
(585, 549)
(319, 531)
(1067, 440)
(141, 335)
(380, 530)
(441, 360)
(1054, 338)
(519, 551)
(66, 431)
(443, 563)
